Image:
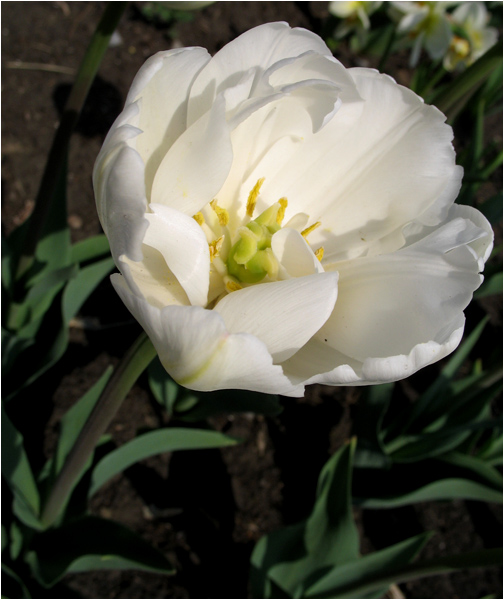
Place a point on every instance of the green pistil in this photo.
(251, 257)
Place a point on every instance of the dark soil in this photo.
(204, 510)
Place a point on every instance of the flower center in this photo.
(251, 257)
(244, 256)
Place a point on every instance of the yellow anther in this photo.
(460, 47)
(281, 211)
(308, 230)
(233, 286)
(215, 247)
(320, 253)
(198, 217)
(252, 199)
(221, 213)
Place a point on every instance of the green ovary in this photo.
(251, 258)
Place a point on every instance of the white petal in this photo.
(294, 254)
(371, 169)
(318, 363)
(394, 368)
(284, 314)
(438, 39)
(152, 279)
(481, 244)
(257, 48)
(197, 351)
(121, 134)
(196, 166)
(184, 247)
(120, 192)
(390, 303)
(162, 90)
(314, 66)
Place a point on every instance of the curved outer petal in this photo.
(284, 314)
(398, 313)
(198, 352)
(120, 192)
(119, 175)
(389, 303)
(161, 89)
(257, 48)
(314, 363)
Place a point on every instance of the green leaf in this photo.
(90, 249)
(12, 347)
(17, 472)
(480, 470)
(445, 489)
(74, 420)
(152, 443)
(491, 451)
(299, 555)
(91, 543)
(434, 399)
(6, 272)
(82, 286)
(16, 539)
(229, 402)
(12, 584)
(490, 287)
(43, 292)
(191, 406)
(436, 566)
(52, 341)
(369, 414)
(164, 389)
(358, 577)
(427, 445)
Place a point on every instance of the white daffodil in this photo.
(427, 23)
(355, 15)
(279, 220)
(470, 19)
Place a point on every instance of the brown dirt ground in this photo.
(205, 510)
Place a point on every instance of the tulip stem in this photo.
(59, 149)
(132, 365)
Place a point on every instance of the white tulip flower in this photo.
(355, 14)
(471, 18)
(428, 23)
(279, 220)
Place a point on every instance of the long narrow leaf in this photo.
(444, 489)
(91, 543)
(152, 443)
(437, 566)
(16, 468)
(342, 581)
